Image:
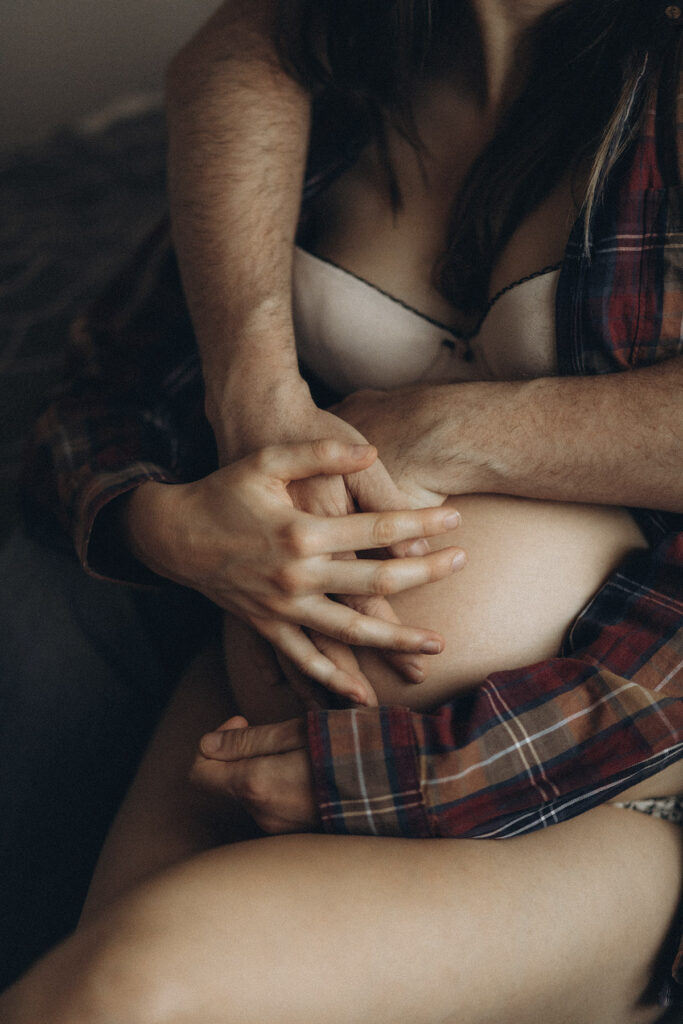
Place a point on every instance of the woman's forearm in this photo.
(238, 130)
(614, 439)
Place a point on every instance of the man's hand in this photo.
(401, 424)
(266, 769)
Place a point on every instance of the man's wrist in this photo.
(469, 424)
(245, 419)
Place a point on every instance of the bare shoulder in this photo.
(238, 29)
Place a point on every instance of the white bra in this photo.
(352, 335)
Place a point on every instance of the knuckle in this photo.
(256, 785)
(384, 582)
(235, 743)
(324, 449)
(279, 607)
(259, 461)
(372, 606)
(288, 580)
(383, 531)
(351, 634)
(295, 539)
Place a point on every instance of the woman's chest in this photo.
(370, 313)
(400, 248)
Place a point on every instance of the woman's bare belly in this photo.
(531, 568)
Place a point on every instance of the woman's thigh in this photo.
(560, 927)
(163, 818)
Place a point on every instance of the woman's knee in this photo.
(98, 976)
(119, 971)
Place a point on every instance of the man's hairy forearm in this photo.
(614, 439)
(238, 134)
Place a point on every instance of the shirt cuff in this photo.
(99, 547)
(365, 773)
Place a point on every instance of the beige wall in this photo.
(61, 59)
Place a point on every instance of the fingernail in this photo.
(359, 451)
(413, 673)
(431, 647)
(452, 520)
(417, 548)
(459, 560)
(211, 743)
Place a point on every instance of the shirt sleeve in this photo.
(131, 411)
(529, 747)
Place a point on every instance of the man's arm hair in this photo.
(238, 137)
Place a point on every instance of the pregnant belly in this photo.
(531, 568)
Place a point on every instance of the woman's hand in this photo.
(237, 537)
(292, 417)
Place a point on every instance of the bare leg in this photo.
(559, 927)
(164, 819)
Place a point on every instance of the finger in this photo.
(235, 722)
(294, 643)
(413, 667)
(384, 577)
(375, 491)
(368, 530)
(312, 458)
(344, 658)
(360, 630)
(410, 549)
(254, 741)
(321, 496)
(312, 695)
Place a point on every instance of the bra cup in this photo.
(517, 338)
(352, 336)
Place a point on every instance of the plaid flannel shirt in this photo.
(531, 746)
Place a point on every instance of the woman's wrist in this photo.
(147, 526)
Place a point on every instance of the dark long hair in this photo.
(592, 62)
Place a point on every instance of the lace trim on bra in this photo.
(465, 336)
